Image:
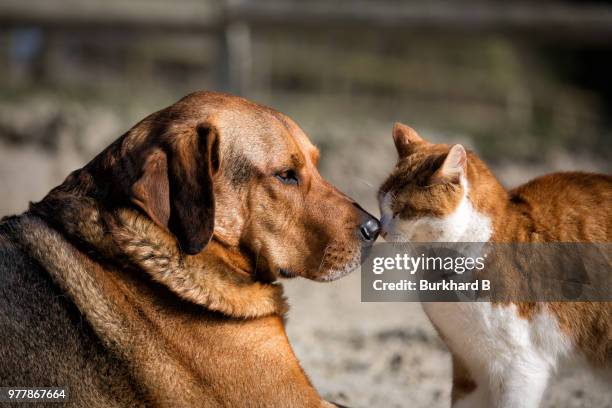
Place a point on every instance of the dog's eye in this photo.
(287, 176)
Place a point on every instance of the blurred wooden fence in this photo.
(230, 24)
(583, 20)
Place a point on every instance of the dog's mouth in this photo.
(336, 263)
(323, 275)
(337, 273)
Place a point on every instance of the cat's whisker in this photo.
(367, 183)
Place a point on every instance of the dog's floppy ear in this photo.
(175, 187)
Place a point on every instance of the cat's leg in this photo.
(458, 326)
(466, 392)
(537, 345)
(520, 384)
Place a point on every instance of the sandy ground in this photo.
(359, 354)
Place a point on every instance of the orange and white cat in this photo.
(503, 354)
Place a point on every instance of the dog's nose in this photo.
(369, 230)
(369, 227)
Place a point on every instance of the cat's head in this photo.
(426, 198)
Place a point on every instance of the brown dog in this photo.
(147, 277)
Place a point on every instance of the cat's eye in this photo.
(287, 177)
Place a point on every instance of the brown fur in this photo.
(170, 240)
(179, 355)
(562, 207)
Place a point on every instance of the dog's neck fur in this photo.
(179, 353)
(212, 279)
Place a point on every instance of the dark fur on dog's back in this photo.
(44, 336)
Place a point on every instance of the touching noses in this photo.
(369, 230)
(369, 227)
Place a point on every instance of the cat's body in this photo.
(503, 354)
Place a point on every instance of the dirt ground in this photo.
(358, 354)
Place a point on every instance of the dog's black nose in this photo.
(369, 230)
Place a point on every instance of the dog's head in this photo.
(215, 166)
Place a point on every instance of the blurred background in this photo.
(528, 85)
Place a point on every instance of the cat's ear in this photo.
(405, 139)
(453, 168)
